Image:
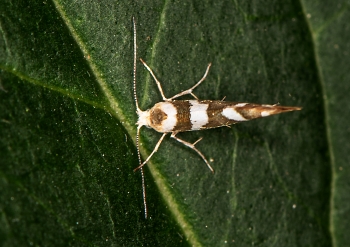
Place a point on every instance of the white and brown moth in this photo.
(173, 116)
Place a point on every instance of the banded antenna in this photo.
(138, 110)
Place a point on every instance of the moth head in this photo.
(144, 118)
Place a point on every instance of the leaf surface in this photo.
(68, 124)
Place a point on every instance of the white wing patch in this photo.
(265, 113)
(198, 114)
(232, 114)
(241, 104)
(170, 110)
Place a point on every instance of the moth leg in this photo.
(153, 152)
(156, 80)
(190, 145)
(189, 91)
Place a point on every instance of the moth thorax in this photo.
(162, 117)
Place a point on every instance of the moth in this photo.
(172, 116)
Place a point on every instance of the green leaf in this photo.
(67, 124)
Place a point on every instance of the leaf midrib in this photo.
(118, 113)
